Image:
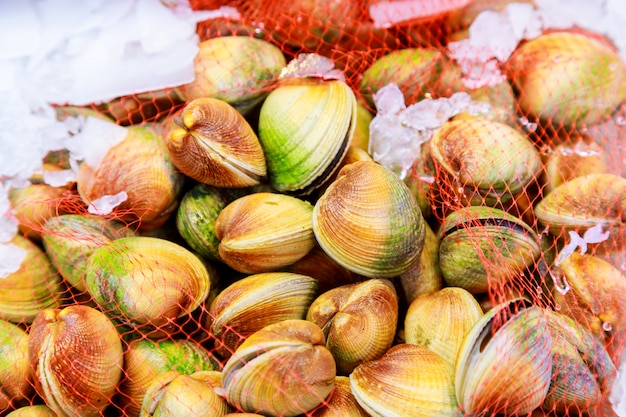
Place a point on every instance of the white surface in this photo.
(618, 394)
(105, 204)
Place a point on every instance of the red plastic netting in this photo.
(385, 233)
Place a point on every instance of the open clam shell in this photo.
(369, 222)
(281, 370)
(305, 129)
(393, 386)
(214, 144)
(76, 355)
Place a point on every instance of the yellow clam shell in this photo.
(15, 370)
(369, 222)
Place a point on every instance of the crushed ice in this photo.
(618, 394)
(592, 235)
(397, 131)
(105, 204)
(390, 12)
(311, 65)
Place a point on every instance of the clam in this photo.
(70, 239)
(145, 359)
(140, 166)
(567, 78)
(236, 69)
(483, 246)
(305, 128)
(33, 411)
(76, 355)
(594, 293)
(341, 402)
(407, 381)
(15, 371)
(33, 287)
(584, 202)
(361, 136)
(256, 301)
(582, 370)
(174, 395)
(425, 276)
(264, 232)
(488, 162)
(440, 321)
(369, 222)
(196, 216)
(505, 362)
(328, 273)
(281, 370)
(358, 320)
(213, 144)
(412, 69)
(33, 205)
(146, 283)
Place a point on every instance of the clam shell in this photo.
(440, 321)
(490, 160)
(425, 276)
(281, 370)
(215, 145)
(32, 411)
(70, 239)
(328, 273)
(145, 359)
(468, 256)
(35, 286)
(567, 78)
(15, 371)
(369, 222)
(174, 395)
(256, 301)
(505, 369)
(359, 321)
(584, 202)
(76, 354)
(264, 232)
(341, 402)
(140, 166)
(33, 205)
(392, 386)
(305, 130)
(146, 282)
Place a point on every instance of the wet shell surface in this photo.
(391, 387)
(359, 321)
(214, 144)
(341, 402)
(305, 130)
(76, 354)
(264, 232)
(369, 222)
(15, 370)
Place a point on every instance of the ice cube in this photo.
(389, 100)
(311, 65)
(94, 141)
(59, 178)
(11, 257)
(105, 204)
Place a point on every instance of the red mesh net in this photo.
(241, 252)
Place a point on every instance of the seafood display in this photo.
(264, 260)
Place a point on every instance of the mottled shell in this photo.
(391, 386)
(264, 232)
(35, 286)
(76, 354)
(140, 166)
(490, 160)
(505, 368)
(595, 293)
(15, 370)
(236, 69)
(70, 239)
(341, 402)
(281, 370)
(567, 78)
(358, 320)
(196, 216)
(584, 202)
(213, 144)
(369, 222)
(440, 321)
(146, 282)
(174, 395)
(145, 359)
(33, 411)
(256, 301)
(305, 130)
(483, 246)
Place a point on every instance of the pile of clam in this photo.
(264, 264)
